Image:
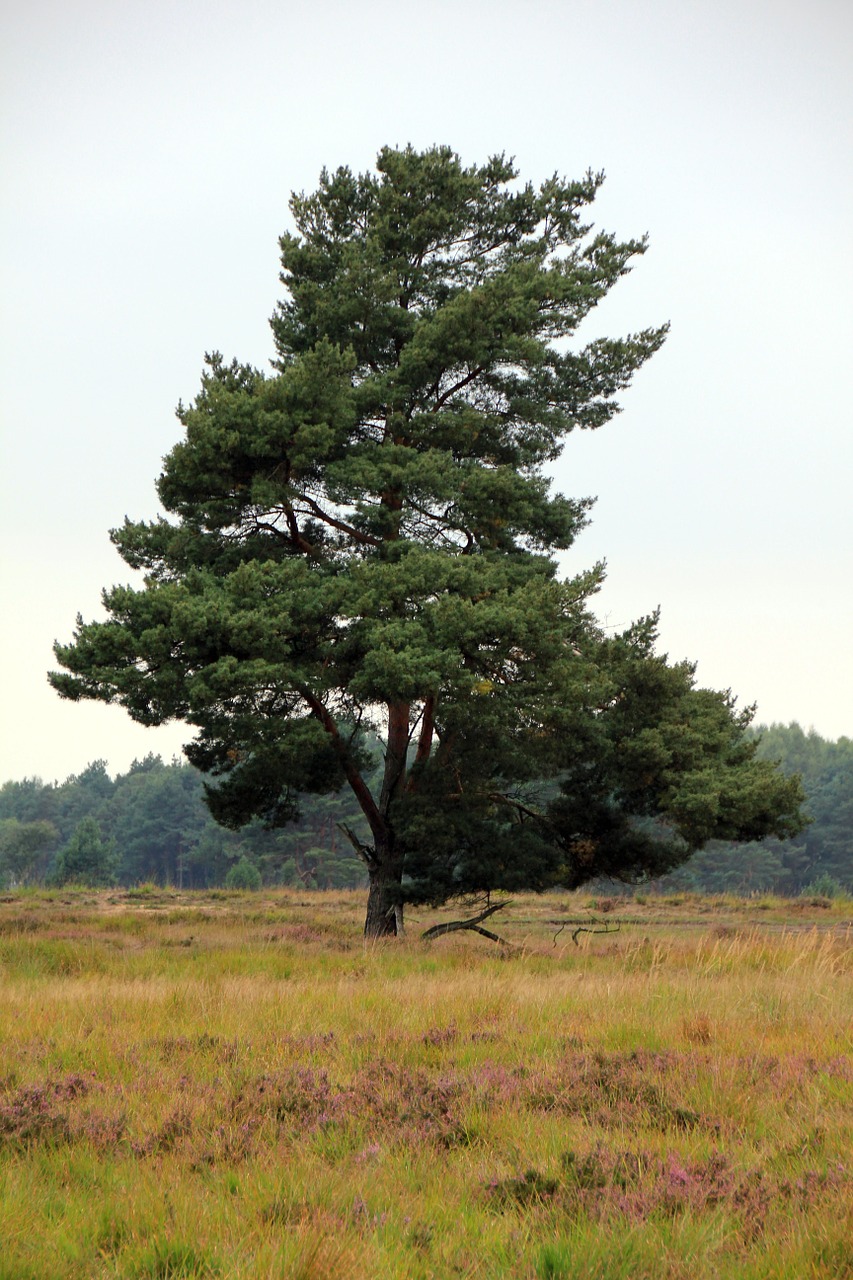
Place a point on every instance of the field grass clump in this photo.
(235, 1085)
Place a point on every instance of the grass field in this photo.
(235, 1085)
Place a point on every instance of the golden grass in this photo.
(236, 1085)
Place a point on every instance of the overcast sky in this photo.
(148, 153)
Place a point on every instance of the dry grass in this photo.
(236, 1086)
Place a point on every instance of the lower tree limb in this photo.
(452, 926)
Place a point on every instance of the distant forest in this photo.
(151, 825)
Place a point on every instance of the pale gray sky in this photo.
(148, 153)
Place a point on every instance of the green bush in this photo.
(87, 859)
(823, 886)
(243, 875)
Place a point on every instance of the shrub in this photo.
(243, 875)
(823, 886)
(87, 859)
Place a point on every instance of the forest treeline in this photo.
(151, 825)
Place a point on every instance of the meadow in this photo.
(236, 1085)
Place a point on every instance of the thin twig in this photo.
(586, 929)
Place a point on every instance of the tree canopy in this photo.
(364, 539)
(820, 855)
(87, 858)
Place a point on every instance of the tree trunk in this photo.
(384, 908)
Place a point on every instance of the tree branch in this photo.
(366, 539)
(451, 391)
(295, 536)
(359, 786)
(583, 928)
(427, 727)
(363, 850)
(396, 750)
(452, 926)
(500, 798)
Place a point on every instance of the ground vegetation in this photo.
(232, 1085)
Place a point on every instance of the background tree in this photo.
(312, 852)
(243, 875)
(29, 800)
(87, 858)
(22, 846)
(365, 538)
(83, 794)
(157, 819)
(163, 831)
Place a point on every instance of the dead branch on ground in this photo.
(474, 923)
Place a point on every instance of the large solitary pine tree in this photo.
(364, 539)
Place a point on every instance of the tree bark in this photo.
(384, 909)
(399, 731)
(384, 906)
(427, 730)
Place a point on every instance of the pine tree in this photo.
(87, 858)
(364, 540)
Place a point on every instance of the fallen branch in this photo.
(582, 928)
(474, 923)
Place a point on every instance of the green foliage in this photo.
(243, 875)
(21, 846)
(29, 800)
(823, 886)
(157, 820)
(164, 833)
(822, 851)
(83, 794)
(87, 858)
(364, 540)
(646, 775)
